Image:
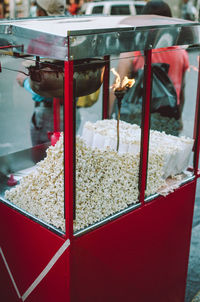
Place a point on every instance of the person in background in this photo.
(188, 10)
(176, 57)
(50, 7)
(1, 9)
(33, 9)
(42, 118)
(74, 6)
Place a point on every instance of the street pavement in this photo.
(16, 107)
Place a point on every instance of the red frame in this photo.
(144, 145)
(140, 256)
(196, 135)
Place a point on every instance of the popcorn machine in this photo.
(103, 212)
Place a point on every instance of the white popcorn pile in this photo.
(176, 150)
(106, 180)
(41, 193)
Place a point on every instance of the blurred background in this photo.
(27, 8)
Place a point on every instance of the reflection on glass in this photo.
(107, 176)
(88, 79)
(171, 135)
(16, 108)
(107, 164)
(36, 166)
(40, 191)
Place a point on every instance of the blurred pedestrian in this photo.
(74, 7)
(177, 59)
(33, 9)
(2, 9)
(42, 118)
(188, 10)
(50, 7)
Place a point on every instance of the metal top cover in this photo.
(70, 38)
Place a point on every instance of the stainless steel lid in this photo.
(69, 38)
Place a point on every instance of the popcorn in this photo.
(41, 193)
(106, 180)
(176, 150)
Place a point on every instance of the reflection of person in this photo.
(176, 57)
(1, 9)
(188, 10)
(42, 119)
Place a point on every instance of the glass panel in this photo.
(139, 8)
(190, 98)
(97, 9)
(16, 109)
(29, 120)
(174, 76)
(120, 10)
(88, 78)
(161, 144)
(107, 175)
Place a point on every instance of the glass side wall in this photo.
(107, 174)
(172, 118)
(108, 152)
(87, 91)
(16, 108)
(31, 170)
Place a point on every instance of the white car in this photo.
(113, 7)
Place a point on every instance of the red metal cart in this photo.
(137, 254)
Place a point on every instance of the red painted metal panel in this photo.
(27, 248)
(7, 291)
(141, 256)
(55, 287)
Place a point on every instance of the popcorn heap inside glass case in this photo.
(41, 193)
(106, 180)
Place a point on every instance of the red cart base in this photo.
(141, 256)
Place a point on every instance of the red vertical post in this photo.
(196, 134)
(56, 114)
(69, 147)
(144, 144)
(106, 83)
(69, 157)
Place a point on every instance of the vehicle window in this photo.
(97, 9)
(139, 9)
(120, 10)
